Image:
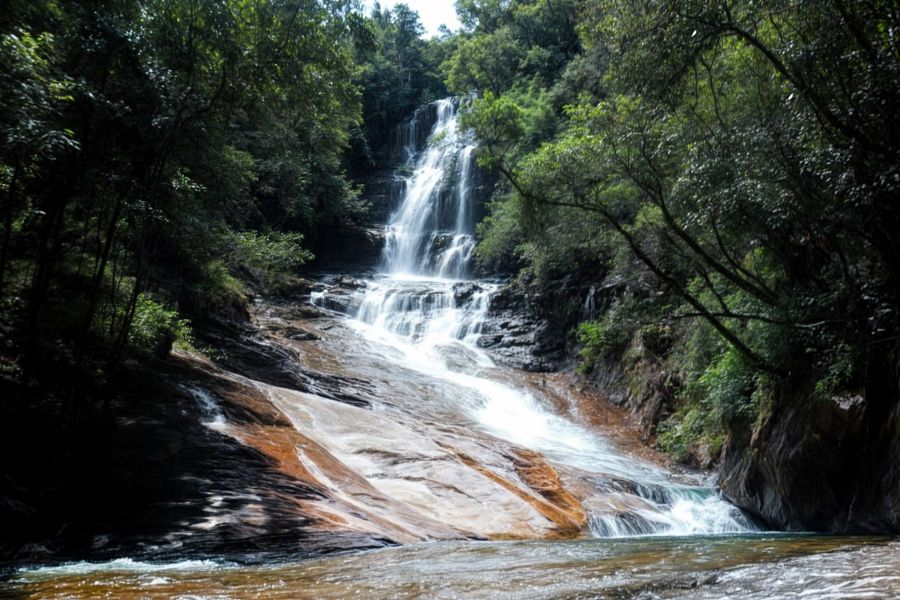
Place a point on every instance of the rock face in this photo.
(154, 477)
(532, 328)
(352, 245)
(272, 447)
(396, 473)
(400, 476)
(531, 325)
(824, 465)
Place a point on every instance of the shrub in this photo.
(692, 431)
(839, 373)
(268, 255)
(608, 336)
(218, 283)
(156, 328)
(730, 383)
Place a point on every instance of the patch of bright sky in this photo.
(433, 13)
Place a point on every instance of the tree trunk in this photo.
(48, 253)
(7, 222)
(98, 276)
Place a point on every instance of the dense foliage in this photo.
(734, 164)
(726, 171)
(139, 137)
(399, 72)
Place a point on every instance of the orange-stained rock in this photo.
(537, 474)
(393, 455)
(551, 499)
(393, 476)
(388, 478)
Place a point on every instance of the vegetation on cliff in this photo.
(399, 72)
(733, 166)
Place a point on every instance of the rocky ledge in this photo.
(819, 464)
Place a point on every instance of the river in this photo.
(554, 503)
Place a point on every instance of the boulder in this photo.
(818, 464)
(463, 292)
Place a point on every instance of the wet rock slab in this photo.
(272, 446)
(155, 478)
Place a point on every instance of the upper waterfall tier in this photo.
(431, 232)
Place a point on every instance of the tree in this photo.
(399, 71)
(742, 157)
(139, 135)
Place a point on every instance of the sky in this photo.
(432, 12)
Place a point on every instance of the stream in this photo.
(551, 500)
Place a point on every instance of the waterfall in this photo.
(430, 237)
(431, 233)
(589, 308)
(425, 317)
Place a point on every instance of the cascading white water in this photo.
(424, 317)
(589, 308)
(431, 232)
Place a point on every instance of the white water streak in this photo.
(420, 237)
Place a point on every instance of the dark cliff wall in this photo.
(814, 463)
(532, 323)
(533, 327)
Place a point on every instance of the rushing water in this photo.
(430, 319)
(415, 336)
(431, 232)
